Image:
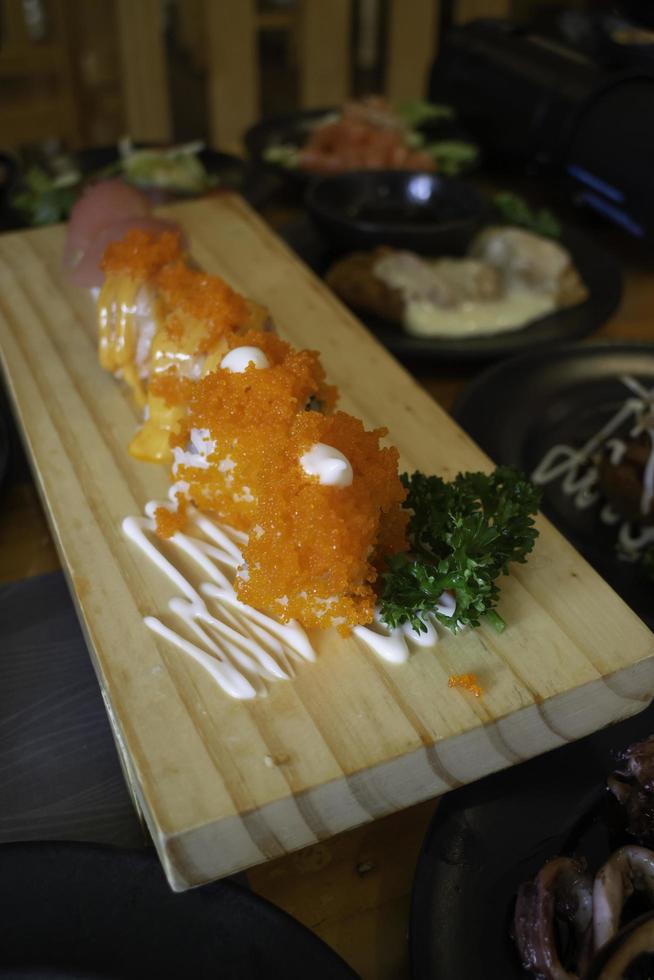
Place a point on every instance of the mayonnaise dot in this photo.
(332, 468)
(239, 358)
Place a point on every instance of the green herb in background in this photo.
(515, 210)
(462, 536)
(177, 169)
(284, 154)
(416, 114)
(44, 200)
(451, 155)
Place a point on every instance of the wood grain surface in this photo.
(224, 784)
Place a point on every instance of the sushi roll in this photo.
(201, 314)
(130, 309)
(239, 419)
(329, 513)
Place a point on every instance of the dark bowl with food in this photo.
(420, 211)
(286, 145)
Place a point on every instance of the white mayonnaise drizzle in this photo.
(394, 645)
(332, 468)
(240, 358)
(579, 475)
(240, 647)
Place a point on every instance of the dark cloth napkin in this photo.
(60, 777)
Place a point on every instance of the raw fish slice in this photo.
(100, 205)
(87, 274)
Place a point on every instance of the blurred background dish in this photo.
(485, 840)
(517, 411)
(365, 134)
(45, 186)
(598, 269)
(421, 211)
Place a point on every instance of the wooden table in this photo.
(353, 890)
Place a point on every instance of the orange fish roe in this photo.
(309, 556)
(466, 681)
(203, 298)
(169, 385)
(169, 522)
(141, 254)
(247, 418)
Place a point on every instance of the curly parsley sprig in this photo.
(462, 536)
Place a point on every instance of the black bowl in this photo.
(421, 211)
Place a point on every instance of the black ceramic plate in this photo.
(489, 837)
(294, 129)
(74, 910)
(520, 409)
(599, 270)
(424, 212)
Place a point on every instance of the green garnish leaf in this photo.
(452, 155)
(462, 536)
(515, 210)
(415, 114)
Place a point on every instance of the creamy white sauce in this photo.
(332, 468)
(394, 645)
(241, 648)
(238, 646)
(437, 306)
(240, 358)
(579, 477)
(512, 311)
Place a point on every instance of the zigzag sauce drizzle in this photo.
(240, 647)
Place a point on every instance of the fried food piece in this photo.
(385, 280)
(531, 263)
(353, 279)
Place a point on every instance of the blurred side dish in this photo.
(369, 134)
(509, 278)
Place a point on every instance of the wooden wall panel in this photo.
(143, 69)
(411, 46)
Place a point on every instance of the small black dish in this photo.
(519, 409)
(76, 910)
(401, 208)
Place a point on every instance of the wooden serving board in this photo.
(225, 784)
